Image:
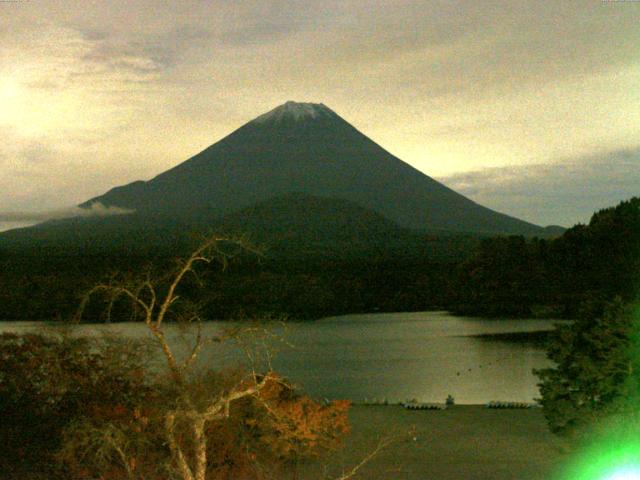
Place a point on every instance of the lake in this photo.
(392, 356)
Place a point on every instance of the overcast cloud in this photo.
(98, 94)
(563, 193)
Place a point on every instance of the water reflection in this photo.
(398, 356)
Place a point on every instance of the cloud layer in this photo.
(95, 210)
(99, 94)
(562, 193)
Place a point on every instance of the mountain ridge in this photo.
(308, 148)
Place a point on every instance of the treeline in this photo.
(322, 288)
(49, 287)
(584, 268)
(300, 279)
(299, 288)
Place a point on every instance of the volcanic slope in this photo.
(306, 148)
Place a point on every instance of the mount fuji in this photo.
(306, 149)
(298, 178)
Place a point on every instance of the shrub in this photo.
(48, 381)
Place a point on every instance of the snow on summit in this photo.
(296, 111)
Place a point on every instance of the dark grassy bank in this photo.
(462, 442)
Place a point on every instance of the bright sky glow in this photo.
(10, 93)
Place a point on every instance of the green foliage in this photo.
(596, 372)
(518, 277)
(315, 288)
(301, 288)
(502, 276)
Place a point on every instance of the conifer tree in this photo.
(597, 369)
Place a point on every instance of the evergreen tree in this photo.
(597, 369)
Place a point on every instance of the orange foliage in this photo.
(267, 434)
(300, 426)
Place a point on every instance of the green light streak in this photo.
(630, 473)
(607, 462)
(611, 451)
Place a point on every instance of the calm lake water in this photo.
(396, 356)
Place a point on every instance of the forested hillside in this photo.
(356, 269)
(588, 264)
(293, 277)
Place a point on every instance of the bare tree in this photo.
(154, 303)
(185, 422)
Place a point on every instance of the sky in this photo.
(528, 107)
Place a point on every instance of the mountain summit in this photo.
(296, 111)
(306, 148)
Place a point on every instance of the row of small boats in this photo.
(415, 405)
(511, 405)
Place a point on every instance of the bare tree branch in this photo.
(176, 450)
(186, 422)
(383, 443)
